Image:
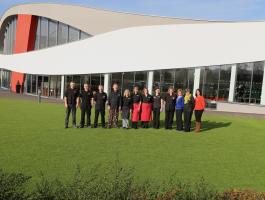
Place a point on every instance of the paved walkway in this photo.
(9, 95)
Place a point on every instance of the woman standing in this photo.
(198, 110)
(170, 103)
(137, 101)
(146, 112)
(179, 110)
(157, 106)
(188, 109)
(126, 107)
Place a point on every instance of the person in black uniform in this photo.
(136, 108)
(114, 106)
(188, 109)
(146, 108)
(71, 102)
(100, 99)
(157, 106)
(86, 97)
(170, 101)
(126, 107)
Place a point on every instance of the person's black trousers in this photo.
(187, 120)
(156, 118)
(169, 115)
(102, 113)
(70, 109)
(85, 111)
(198, 115)
(179, 120)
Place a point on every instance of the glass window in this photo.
(55, 86)
(44, 33)
(34, 84)
(243, 82)
(209, 82)
(167, 79)
(140, 79)
(116, 78)
(128, 80)
(84, 35)
(28, 77)
(156, 79)
(257, 79)
(77, 81)
(62, 33)
(73, 34)
(224, 82)
(52, 33)
(95, 81)
(37, 40)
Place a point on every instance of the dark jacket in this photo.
(114, 100)
(189, 106)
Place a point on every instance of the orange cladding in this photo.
(25, 41)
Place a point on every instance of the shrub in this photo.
(13, 186)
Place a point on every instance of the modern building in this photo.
(45, 46)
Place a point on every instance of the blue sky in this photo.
(198, 9)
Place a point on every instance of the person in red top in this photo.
(198, 110)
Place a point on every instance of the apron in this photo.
(135, 113)
(146, 113)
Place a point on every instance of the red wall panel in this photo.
(25, 41)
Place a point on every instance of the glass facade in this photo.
(5, 79)
(50, 86)
(176, 78)
(215, 82)
(51, 33)
(7, 45)
(249, 82)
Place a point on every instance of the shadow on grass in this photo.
(209, 125)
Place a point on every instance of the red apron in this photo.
(135, 112)
(146, 113)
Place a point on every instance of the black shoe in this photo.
(95, 126)
(66, 127)
(81, 126)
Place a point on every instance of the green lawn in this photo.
(229, 153)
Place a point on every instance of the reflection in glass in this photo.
(62, 33)
(140, 79)
(44, 33)
(52, 33)
(73, 34)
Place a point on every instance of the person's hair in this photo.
(115, 84)
(187, 90)
(125, 91)
(170, 88)
(180, 90)
(135, 86)
(72, 82)
(157, 88)
(199, 92)
(145, 88)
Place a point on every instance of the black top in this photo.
(189, 106)
(170, 101)
(136, 98)
(86, 97)
(114, 100)
(157, 101)
(147, 99)
(126, 102)
(71, 96)
(100, 99)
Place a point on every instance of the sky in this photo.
(232, 10)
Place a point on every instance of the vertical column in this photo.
(106, 83)
(1, 78)
(62, 87)
(197, 75)
(232, 84)
(262, 98)
(150, 78)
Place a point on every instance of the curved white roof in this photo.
(140, 48)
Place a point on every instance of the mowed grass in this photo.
(229, 153)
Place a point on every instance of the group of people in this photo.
(137, 108)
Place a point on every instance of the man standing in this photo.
(157, 106)
(114, 105)
(100, 99)
(170, 102)
(86, 97)
(71, 102)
